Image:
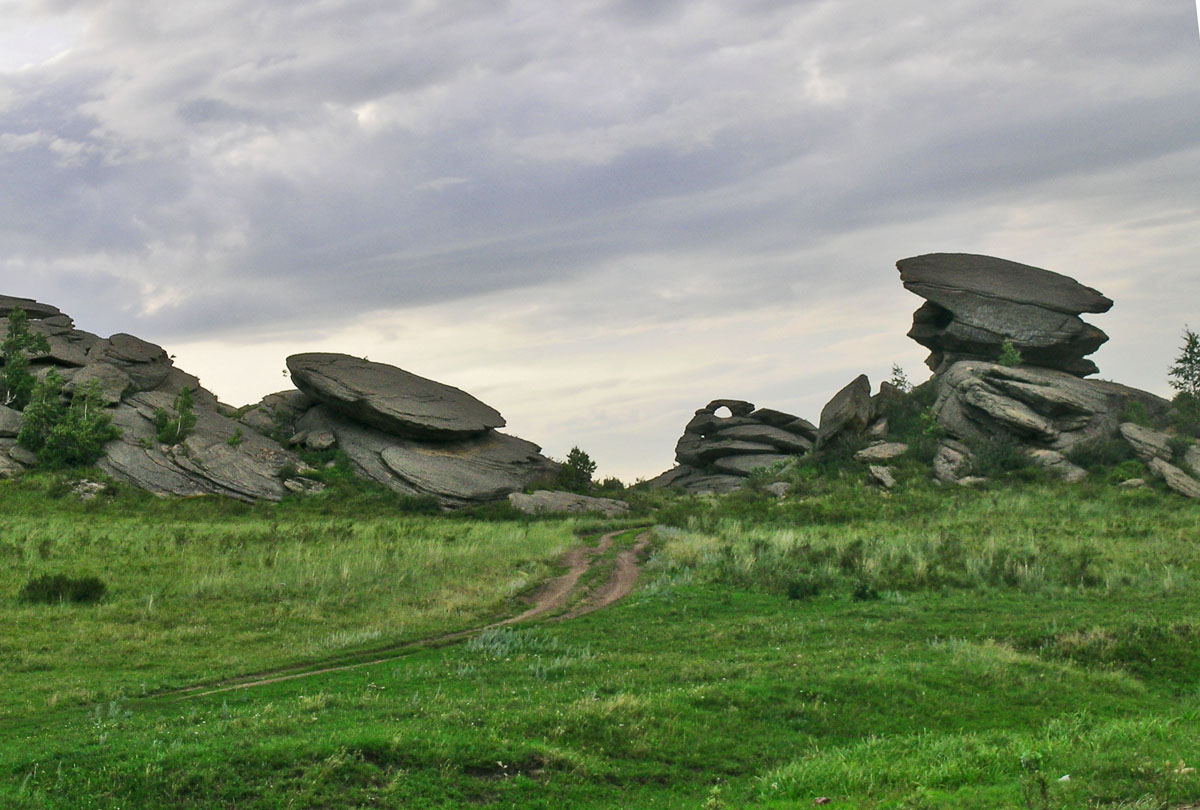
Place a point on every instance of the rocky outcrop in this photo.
(974, 304)
(458, 473)
(978, 401)
(276, 414)
(391, 399)
(718, 452)
(544, 502)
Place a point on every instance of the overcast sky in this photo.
(595, 216)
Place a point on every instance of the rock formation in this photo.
(717, 453)
(417, 436)
(974, 304)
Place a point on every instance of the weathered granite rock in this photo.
(882, 476)
(952, 461)
(113, 383)
(974, 304)
(736, 407)
(314, 439)
(699, 452)
(22, 455)
(745, 465)
(1133, 483)
(390, 398)
(204, 463)
(786, 421)
(546, 502)
(276, 414)
(178, 379)
(10, 422)
(1057, 463)
(979, 400)
(695, 481)
(1146, 443)
(457, 473)
(850, 411)
(1176, 479)
(8, 467)
(146, 363)
(778, 438)
(1191, 459)
(779, 488)
(34, 309)
(883, 451)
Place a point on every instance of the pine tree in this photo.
(1185, 373)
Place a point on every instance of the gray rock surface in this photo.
(8, 467)
(884, 451)
(34, 309)
(695, 481)
(979, 400)
(779, 488)
(951, 462)
(737, 407)
(850, 411)
(546, 502)
(391, 399)
(1191, 459)
(276, 414)
(745, 465)
(882, 476)
(975, 303)
(204, 463)
(1057, 463)
(786, 421)
(457, 473)
(146, 363)
(778, 438)
(1147, 444)
(114, 383)
(1176, 479)
(10, 422)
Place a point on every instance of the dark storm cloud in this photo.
(238, 164)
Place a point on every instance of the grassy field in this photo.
(1031, 645)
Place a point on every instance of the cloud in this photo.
(231, 170)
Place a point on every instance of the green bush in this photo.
(51, 588)
(1010, 356)
(43, 411)
(71, 436)
(1185, 416)
(174, 429)
(576, 472)
(1100, 453)
(16, 381)
(999, 456)
(1135, 412)
(1184, 374)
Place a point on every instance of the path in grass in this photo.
(547, 602)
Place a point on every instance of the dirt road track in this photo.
(556, 595)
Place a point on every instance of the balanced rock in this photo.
(391, 399)
(974, 304)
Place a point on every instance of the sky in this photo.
(595, 215)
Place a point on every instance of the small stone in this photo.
(885, 451)
(882, 475)
(778, 489)
(971, 481)
(878, 430)
(1133, 483)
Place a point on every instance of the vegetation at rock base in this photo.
(575, 474)
(932, 648)
(1010, 356)
(16, 381)
(66, 436)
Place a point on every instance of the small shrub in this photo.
(900, 379)
(864, 591)
(1010, 356)
(1100, 453)
(803, 587)
(1184, 375)
(1179, 446)
(1135, 412)
(998, 456)
(1185, 416)
(288, 470)
(50, 588)
(576, 472)
(174, 429)
(236, 439)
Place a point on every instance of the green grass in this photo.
(1009, 637)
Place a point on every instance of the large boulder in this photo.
(34, 309)
(458, 473)
(10, 422)
(146, 363)
(850, 411)
(276, 414)
(544, 502)
(216, 458)
(1039, 407)
(391, 399)
(974, 304)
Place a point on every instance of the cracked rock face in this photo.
(391, 399)
(974, 304)
(1040, 407)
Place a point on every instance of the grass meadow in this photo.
(1023, 645)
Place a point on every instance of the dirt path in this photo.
(556, 595)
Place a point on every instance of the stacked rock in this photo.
(412, 434)
(717, 452)
(975, 304)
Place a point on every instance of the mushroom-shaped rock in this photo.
(974, 304)
(391, 399)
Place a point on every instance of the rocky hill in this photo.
(416, 436)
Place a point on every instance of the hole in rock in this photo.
(722, 412)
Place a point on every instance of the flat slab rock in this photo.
(546, 502)
(391, 399)
(457, 473)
